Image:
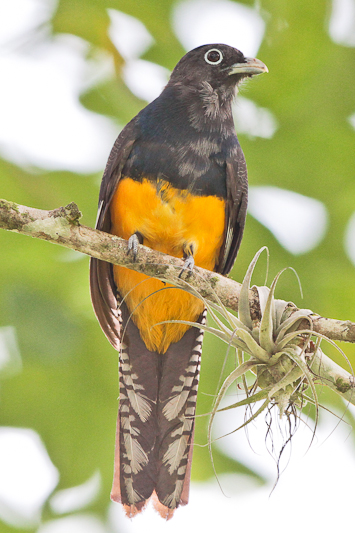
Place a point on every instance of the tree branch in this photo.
(61, 226)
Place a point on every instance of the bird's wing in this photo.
(102, 286)
(236, 209)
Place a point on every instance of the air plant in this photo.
(278, 350)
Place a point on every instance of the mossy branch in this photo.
(61, 226)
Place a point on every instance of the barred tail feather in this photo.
(154, 438)
(137, 426)
(176, 411)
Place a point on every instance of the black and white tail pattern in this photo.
(135, 464)
(155, 423)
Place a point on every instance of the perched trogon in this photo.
(176, 181)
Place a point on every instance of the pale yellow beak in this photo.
(251, 67)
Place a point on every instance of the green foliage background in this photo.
(68, 388)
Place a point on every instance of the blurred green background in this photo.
(68, 386)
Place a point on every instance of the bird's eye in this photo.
(213, 56)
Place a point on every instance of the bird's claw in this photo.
(188, 265)
(133, 242)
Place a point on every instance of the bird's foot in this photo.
(188, 265)
(133, 241)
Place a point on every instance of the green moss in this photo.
(214, 282)
(5, 204)
(342, 385)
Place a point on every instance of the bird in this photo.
(175, 181)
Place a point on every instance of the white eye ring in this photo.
(214, 62)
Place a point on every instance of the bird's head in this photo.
(219, 65)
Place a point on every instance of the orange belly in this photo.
(170, 220)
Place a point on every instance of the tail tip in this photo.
(130, 510)
(164, 511)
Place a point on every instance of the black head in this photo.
(219, 65)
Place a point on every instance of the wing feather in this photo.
(236, 209)
(102, 286)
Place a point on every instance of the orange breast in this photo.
(169, 220)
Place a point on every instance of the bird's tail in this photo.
(155, 425)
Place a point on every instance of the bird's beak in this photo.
(250, 67)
